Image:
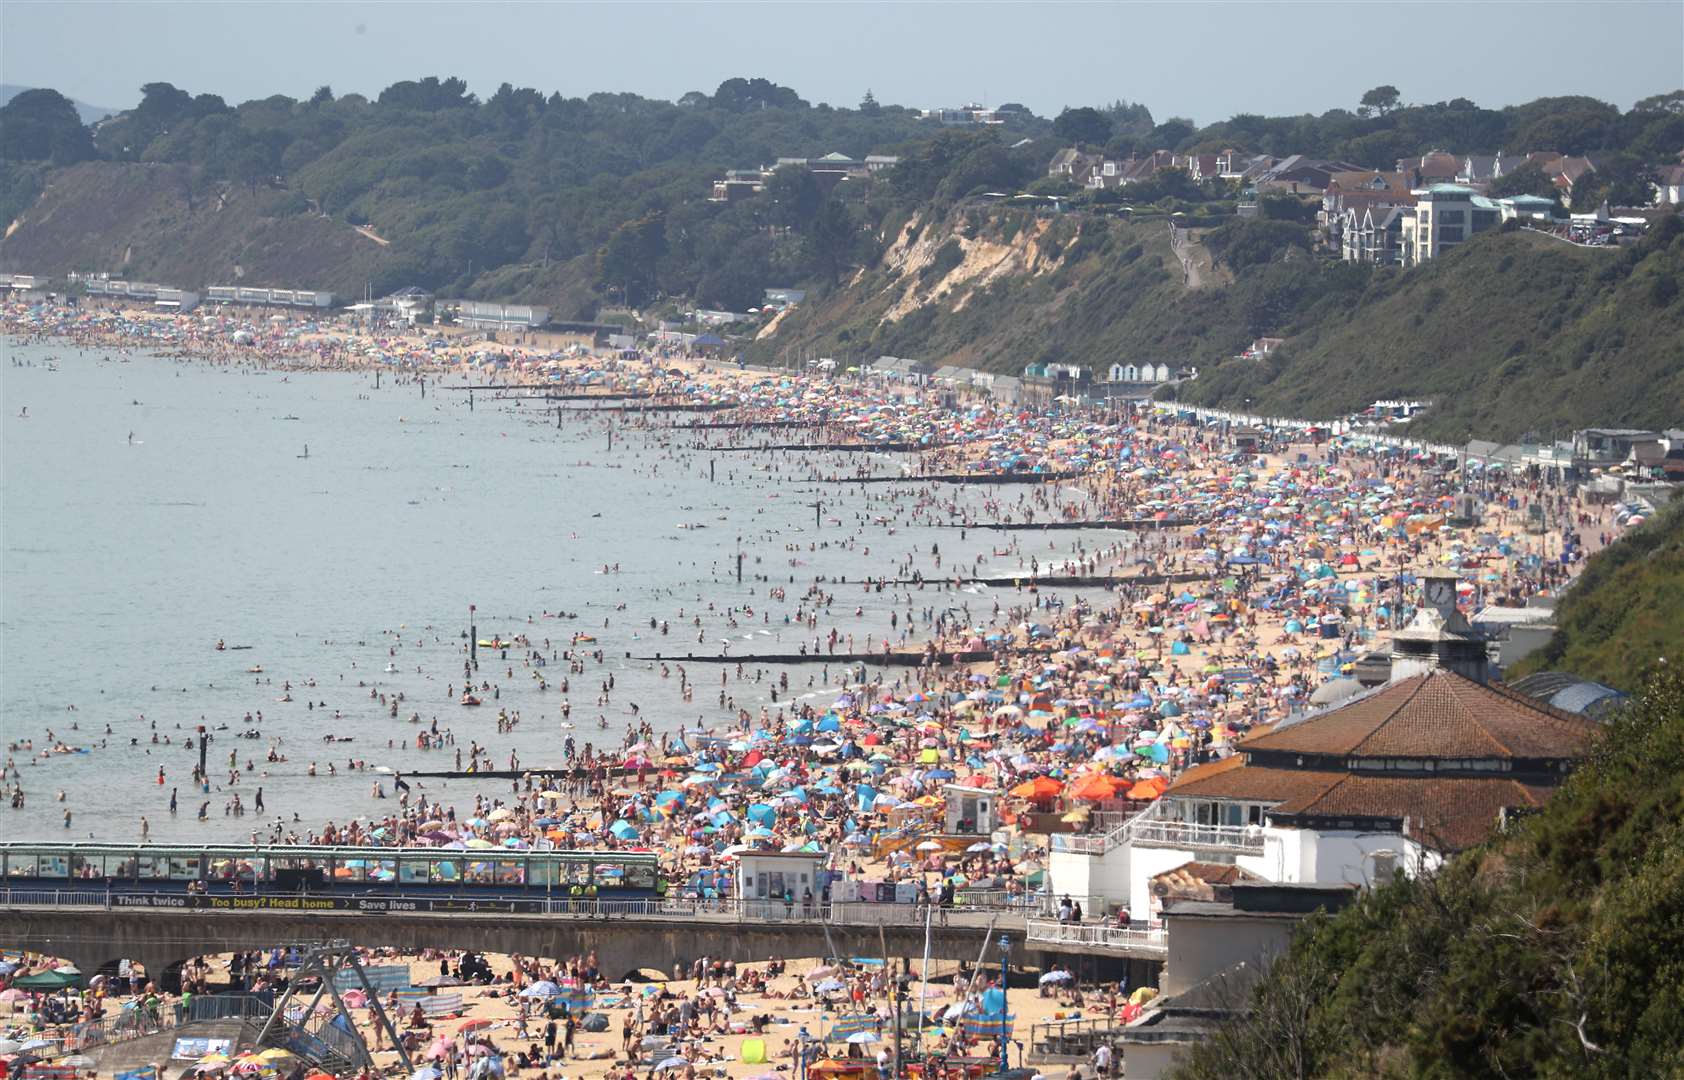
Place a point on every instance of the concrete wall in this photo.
(1099, 882)
(1202, 947)
(1150, 1060)
(155, 1049)
(158, 938)
(1147, 863)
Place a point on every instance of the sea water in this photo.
(151, 507)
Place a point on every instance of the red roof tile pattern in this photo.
(1436, 715)
(1257, 783)
(1444, 813)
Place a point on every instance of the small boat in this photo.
(494, 643)
(469, 699)
(585, 637)
(255, 669)
(390, 668)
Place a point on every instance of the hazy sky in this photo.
(1204, 60)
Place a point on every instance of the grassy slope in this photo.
(1626, 611)
(133, 219)
(1511, 334)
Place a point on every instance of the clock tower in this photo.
(1438, 636)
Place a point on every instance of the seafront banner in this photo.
(373, 904)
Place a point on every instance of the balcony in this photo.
(1149, 828)
(1232, 839)
(1114, 940)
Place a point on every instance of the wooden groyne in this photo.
(725, 425)
(839, 447)
(1079, 581)
(889, 659)
(952, 478)
(1129, 524)
(675, 406)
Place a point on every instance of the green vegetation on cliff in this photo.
(1511, 334)
(1554, 951)
(1625, 611)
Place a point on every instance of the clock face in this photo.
(1440, 592)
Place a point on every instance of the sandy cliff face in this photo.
(984, 261)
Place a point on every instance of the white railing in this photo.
(721, 910)
(1240, 839)
(1150, 827)
(1102, 843)
(1143, 939)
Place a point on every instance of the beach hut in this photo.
(970, 811)
(771, 875)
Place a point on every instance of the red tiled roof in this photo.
(1232, 778)
(1437, 715)
(1444, 813)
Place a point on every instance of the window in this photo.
(1382, 867)
(87, 866)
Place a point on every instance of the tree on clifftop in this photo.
(1083, 125)
(1379, 101)
(626, 264)
(744, 95)
(42, 125)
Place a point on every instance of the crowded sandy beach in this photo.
(1241, 571)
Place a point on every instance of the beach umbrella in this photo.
(543, 988)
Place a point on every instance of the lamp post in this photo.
(1005, 1000)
